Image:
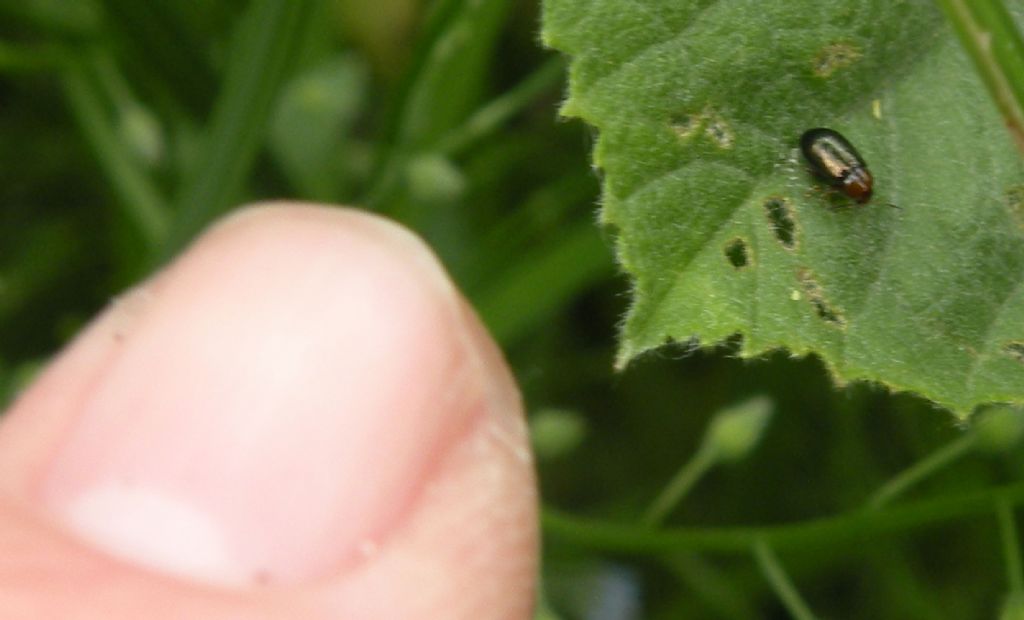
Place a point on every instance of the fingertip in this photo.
(308, 391)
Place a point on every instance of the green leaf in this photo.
(1013, 608)
(548, 277)
(76, 18)
(447, 83)
(156, 37)
(140, 199)
(441, 88)
(700, 105)
(259, 62)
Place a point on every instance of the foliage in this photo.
(130, 125)
(699, 106)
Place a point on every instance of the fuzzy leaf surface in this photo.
(699, 106)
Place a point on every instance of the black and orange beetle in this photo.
(834, 160)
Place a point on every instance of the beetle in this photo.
(834, 160)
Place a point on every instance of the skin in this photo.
(300, 417)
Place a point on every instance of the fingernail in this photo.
(275, 405)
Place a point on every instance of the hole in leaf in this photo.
(720, 133)
(780, 217)
(678, 349)
(1015, 350)
(816, 295)
(736, 252)
(685, 125)
(732, 345)
(834, 57)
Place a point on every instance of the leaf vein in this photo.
(987, 336)
(659, 298)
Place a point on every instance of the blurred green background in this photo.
(126, 127)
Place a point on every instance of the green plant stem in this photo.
(989, 34)
(392, 158)
(29, 59)
(153, 33)
(813, 534)
(142, 203)
(893, 570)
(776, 576)
(544, 610)
(421, 112)
(708, 583)
(487, 119)
(259, 63)
(677, 488)
(438, 23)
(548, 278)
(914, 474)
(498, 111)
(549, 208)
(112, 81)
(1011, 545)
